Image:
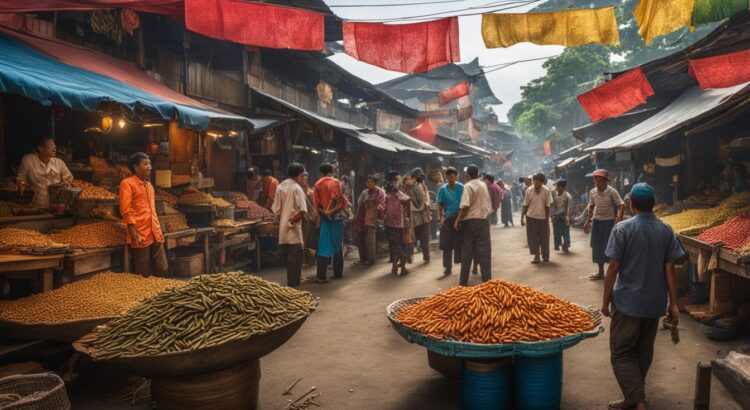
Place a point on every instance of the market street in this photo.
(349, 352)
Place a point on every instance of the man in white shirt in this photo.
(472, 219)
(535, 216)
(289, 206)
(41, 169)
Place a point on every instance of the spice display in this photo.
(91, 191)
(175, 222)
(495, 312)
(26, 238)
(734, 233)
(255, 211)
(165, 196)
(697, 220)
(103, 234)
(208, 310)
(202, 199)
(106, 294)
(235, 196)
(102, 212)
(226, 223)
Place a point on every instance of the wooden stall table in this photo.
(189, 236)
(728, 261)
(39, 267)
(84, 261)
(224, 242)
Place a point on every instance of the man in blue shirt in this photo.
(642, 252)
(449, 199)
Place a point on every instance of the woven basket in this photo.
(43, 391)
(470, 350)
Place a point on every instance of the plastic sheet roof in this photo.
(693, 104)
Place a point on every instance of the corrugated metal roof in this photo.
(426, 148)
(691, 105)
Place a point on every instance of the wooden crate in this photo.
(191, 265)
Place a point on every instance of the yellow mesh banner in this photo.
(565, 28)
(659, 17)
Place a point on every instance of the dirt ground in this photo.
(348, 351)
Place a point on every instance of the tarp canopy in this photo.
(54, 73)
(361, 134)
(408, 140)
(693, 104)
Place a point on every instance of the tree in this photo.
(551, 98)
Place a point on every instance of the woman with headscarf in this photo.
(506, 206)
(396, 222)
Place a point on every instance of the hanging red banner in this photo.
(256, 24)
(547, 148)
(618, 96)
(425, 131)
(168, 7)
(457, 91)
(407, 48)
(721, 71)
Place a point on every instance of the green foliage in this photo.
(550, 100)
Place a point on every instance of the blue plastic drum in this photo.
(537, 382)
(486, 385)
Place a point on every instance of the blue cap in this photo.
(642, 190)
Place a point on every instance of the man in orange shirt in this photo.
(139, 213)
(270, 184)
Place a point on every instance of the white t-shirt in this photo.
(40, 176)
(289, 200)
(537, 202)
(477, 198)
(604, 203)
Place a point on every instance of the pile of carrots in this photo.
(495, 312)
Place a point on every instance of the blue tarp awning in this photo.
(39, 77)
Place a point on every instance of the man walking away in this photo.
(371, 202)
(289, 206)
(421, 215)
(642, 253)
(562, 202)
(475, 227)
(496, 196)
(395, 220)
(506, 207)
(138, 211)
(603, 200)
(537, 202)
(331, 205)
(449, 199)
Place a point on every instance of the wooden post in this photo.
(45, 280)
(702, 387)
(126, 258)
(206, 255)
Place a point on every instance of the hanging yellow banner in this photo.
(659, 17)
(565, 28)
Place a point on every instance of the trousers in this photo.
(151, 260)
(560, 231)
(450, 243)
(366, 244)
(537, 235)
(631, 344)
(422, 234)
(292, 254)
(475, 244)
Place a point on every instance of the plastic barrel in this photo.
(537, 382)
(486, 385)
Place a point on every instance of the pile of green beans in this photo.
(209, 310)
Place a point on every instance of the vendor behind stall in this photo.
(741, 183)
(139, 213)
(41, 169)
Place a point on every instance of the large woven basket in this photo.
(43, 391)
(469, 350)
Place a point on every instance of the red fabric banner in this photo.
(256, 24)
(618, 96)
(425, 131)
(457, 91)
(168, 7)
(721, 71)
(407, 48)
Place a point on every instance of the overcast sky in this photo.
(506, 83)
